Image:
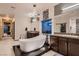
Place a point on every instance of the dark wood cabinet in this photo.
(73, 47)
(31, 34)
(63, 46)
(54, 43)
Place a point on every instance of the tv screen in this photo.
(47, 26)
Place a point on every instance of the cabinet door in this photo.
(32, 34)
(54, 43)
(63, 46)
(73, 47)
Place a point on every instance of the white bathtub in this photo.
(31, 44)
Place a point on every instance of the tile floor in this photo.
(52, 53)
(6, 48)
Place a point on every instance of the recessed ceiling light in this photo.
(34, 5)
(12, 7)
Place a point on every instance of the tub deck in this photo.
(37, 52)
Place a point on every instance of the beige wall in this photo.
(1, 28)
(66, 17)
(23, 21)
(51, 15)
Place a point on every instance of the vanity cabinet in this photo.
(62, 46)
(73, 47)
(67, 46)
(31, 34)
(54, 43)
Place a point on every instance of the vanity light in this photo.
(70, 6)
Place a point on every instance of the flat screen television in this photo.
(47, 26)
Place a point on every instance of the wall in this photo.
(51, 16)
(72, 25)
(0, 28)
(66, 17)
(22, 21)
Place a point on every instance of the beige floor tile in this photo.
(6, 46)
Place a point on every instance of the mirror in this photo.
(67, 21)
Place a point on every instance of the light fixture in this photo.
(13, 20)
(33, 15)
(6, 17)
(70, 6)
(34, 5)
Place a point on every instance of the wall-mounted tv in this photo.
(47, 26)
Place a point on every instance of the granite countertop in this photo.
(67, 36)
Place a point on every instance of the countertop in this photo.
(67, 36)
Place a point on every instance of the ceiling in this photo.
(69, 7)
(65, 5)
(21, 8)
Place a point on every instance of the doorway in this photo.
(6, 28)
